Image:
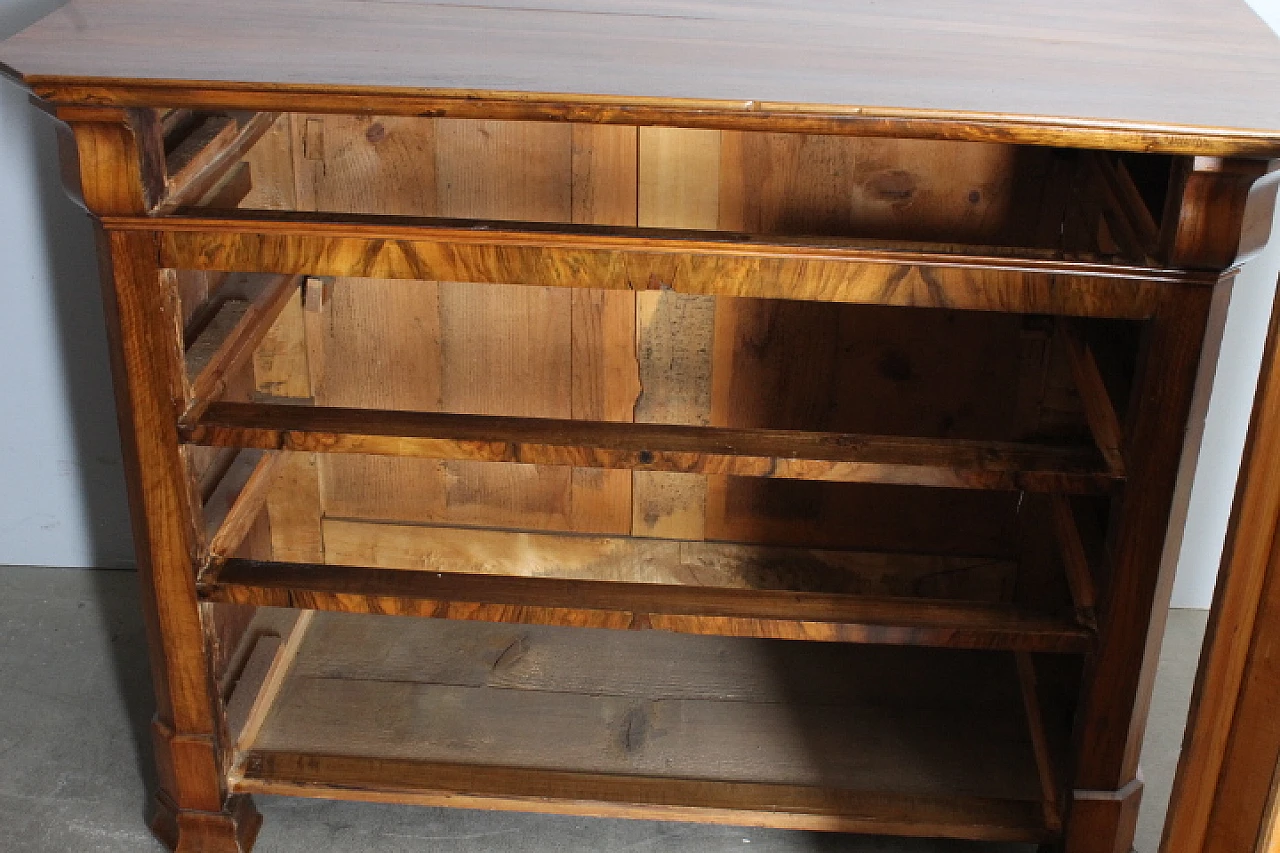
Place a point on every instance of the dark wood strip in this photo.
(785, 454)
(1127, 214)
(1104, 423)
(609, 604)
(1075, 561)
(608, 795)
(199, 146)
(1045, 766)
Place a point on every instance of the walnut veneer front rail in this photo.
(624, 605)
(618, 258)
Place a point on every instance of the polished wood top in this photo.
(1195, 76)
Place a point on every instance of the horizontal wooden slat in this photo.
(607, 604)
(621, 258)
(786, 454)
(603, 795)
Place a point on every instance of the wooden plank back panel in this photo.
(783, 183)
(643, 560)
(606, 375)
(473, 348)
(795, 365)
(661, 357)
(505, 349)
(381, 339)
(678, 188)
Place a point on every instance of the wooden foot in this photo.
(1104, 821)
(232, 830)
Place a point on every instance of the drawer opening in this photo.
(662, 383)
(375, 426)
(754, 732)
(954, 196)
(833, 561)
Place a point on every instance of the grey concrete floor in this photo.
(75, 762)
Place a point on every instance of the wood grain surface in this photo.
(656, 798)
(612, 604)
(639, 559)
(668, 448)
(1224, 795)
(1189, 75)
(656, 705)
(651, 725)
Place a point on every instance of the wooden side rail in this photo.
(781, 614)
(1045, 766)
(1075, 560)
(785, 454)
(1098, 409)
(1127, 215)
(236, 328)
(207, 152)
(638, 259)
(227, 533)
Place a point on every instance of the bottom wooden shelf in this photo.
(886, 740)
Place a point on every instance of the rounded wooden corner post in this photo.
(1218, 214)
(116, 157)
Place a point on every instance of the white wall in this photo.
(1229, 408)
(61, 490)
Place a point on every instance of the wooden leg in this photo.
(1162, 438)
(1104, 821)
(231, 830)
(120, 158)
(196, 813)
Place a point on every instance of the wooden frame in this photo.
(224, 473)
(1180, 315)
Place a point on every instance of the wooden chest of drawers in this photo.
(854, 356)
